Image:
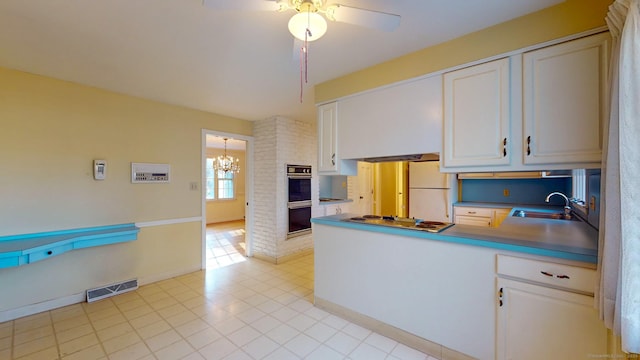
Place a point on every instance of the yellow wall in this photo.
(567, 18)
(388, 188)
(50, 133)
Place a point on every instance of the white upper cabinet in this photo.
(329, 162)
(476, 115)
(564, 97)
(327, 133)
(401, 119)
(537, 110)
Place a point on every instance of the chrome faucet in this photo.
(567, 206)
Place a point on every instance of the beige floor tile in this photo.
(130, 305)
(6, 343)
(94, 352)
(114, 331)
(73, 333)
(108, 322)
(236, 310)
(71, 322)
(49, 353)
(32, 322)
(153, 329)
(34, 346)
(5, 354)
(162, 340)
(137, 312)
(78, 344)
(120, 342)
(146, 320)
(67, 312)
(176, 350)
(133, 352)
(33, 334)
(192, 327)
(107, 312)
(203, 338)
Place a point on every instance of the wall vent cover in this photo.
(111, 290)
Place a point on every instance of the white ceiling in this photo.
(235, 63)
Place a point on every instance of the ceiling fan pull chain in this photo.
(301, 70)
(306, 53)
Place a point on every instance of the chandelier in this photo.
(225, 162)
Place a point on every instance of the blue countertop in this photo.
(572, 240)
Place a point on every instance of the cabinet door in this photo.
(476, 115)
(327, 136)
(536, 322)
(563, 99)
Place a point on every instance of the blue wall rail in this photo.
(16, 250)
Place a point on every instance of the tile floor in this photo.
(249, 309)
(225, 244)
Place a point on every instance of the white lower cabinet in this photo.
(335, 209)
(537, 321)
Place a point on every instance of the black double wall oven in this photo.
(299, 199)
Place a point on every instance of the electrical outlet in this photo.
(505, 192)
(193, 186)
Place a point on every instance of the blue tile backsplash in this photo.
(521, 191)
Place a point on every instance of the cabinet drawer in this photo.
(473, 220)
(485, 212)
(557, 275)
(46, 253)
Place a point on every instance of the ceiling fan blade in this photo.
(362, 17)
(248, 5)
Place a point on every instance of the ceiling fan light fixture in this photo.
(300, 22)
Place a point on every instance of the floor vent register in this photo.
(111, 290)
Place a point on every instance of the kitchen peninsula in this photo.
(438, 292)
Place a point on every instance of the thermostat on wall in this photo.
(150, 173)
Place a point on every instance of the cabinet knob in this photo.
(49, 252)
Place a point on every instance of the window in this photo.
(220, 185)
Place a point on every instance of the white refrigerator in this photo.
(431, 193)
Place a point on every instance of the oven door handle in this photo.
(299, 204)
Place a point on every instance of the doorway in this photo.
(391, 188)
(227, 206)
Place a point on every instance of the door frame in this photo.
(248, 208)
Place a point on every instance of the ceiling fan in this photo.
(308, 24)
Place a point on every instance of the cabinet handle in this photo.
(528, 145)
(500, 293)
(504, 147)
(558, 276)
(333, 159)
(471, 212)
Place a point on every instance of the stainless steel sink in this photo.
(544, 215)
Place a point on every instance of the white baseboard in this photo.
(12, 314)
(168, 275)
